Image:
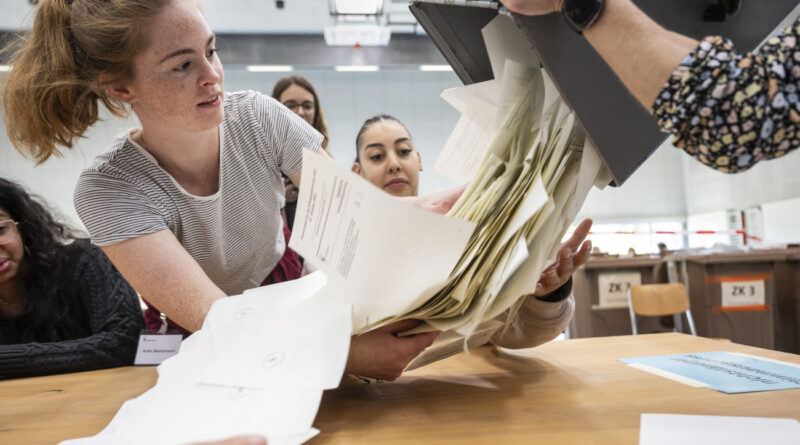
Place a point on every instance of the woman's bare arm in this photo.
(164, 273)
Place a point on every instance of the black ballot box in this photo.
(601, 287)
(618, 126)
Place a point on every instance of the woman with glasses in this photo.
(63, 305)
(298, 95)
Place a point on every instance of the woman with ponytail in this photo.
(53, 93)
(187, 207)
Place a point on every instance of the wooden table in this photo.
(572, 391)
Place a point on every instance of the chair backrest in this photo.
(659, 299)
(655, 300)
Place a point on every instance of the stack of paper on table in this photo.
(669, 429)
(258, 366)
(522, 151)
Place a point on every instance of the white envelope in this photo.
(263, 345)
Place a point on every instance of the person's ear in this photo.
(357, 168)
(117, 90)
(419, 160)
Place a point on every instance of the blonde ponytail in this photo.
(51, 94)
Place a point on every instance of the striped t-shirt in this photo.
(236, 234)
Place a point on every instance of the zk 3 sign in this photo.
(742, 293)
(613, 287)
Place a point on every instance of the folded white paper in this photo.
(252, 348)
(258, 366)
(382, 254)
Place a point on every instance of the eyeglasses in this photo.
(8, 231)
(294, 106)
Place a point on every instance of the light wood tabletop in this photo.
(572, 391)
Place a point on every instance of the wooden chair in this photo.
(656, 300)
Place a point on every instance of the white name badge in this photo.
(155, 348)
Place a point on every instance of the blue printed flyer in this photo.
(727, 372)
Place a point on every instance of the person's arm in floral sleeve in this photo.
(728, 110)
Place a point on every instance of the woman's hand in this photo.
(382, 355)
(437, 202)
(568, 260)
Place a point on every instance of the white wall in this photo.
(231, 16)
(711, 221)
(673, 185)
(655, 190)
(774, 185)
(248, 16)
(55, 180)
(767, 181)
(781, 221)
(16, 14)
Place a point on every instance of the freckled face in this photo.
(178, 77)
(388, 159)
(12, 252)
(300, 101)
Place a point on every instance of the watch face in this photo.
(580, 14)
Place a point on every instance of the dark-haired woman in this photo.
(386, 157)
(63, 306)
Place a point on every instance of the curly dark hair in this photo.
(45, 241)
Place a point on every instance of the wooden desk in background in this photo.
(572, 391)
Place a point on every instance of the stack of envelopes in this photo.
(528, 177)
(519, 147)
(258, 366)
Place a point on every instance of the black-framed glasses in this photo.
(294, 106)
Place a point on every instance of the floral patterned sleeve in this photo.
(732, 110)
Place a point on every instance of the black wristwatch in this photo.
(580, 14)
